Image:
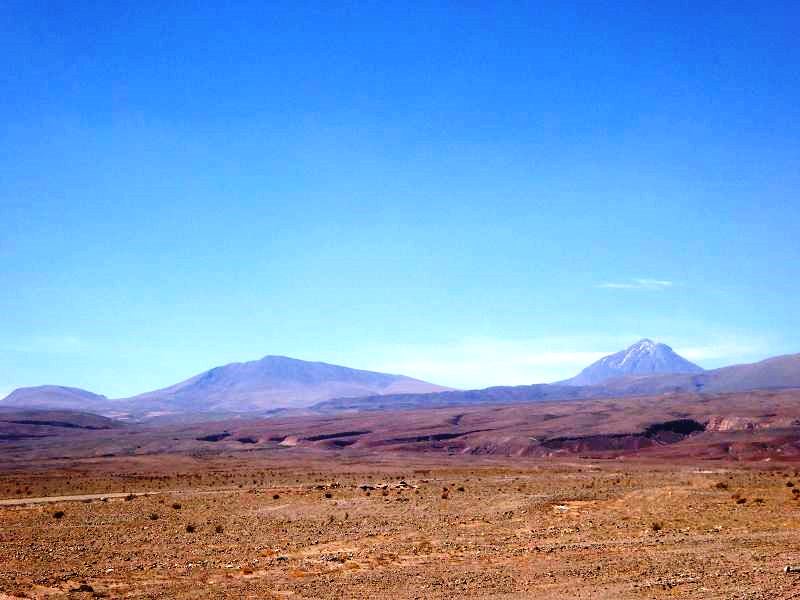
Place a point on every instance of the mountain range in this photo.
(278, 384)
(780, 372)
(260, 386)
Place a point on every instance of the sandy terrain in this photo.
(326, 526)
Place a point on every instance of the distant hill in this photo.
(67, 419)
(31, 424)
(55, 397)
(777, 372)
(539, 392)
(274, 382)
(645, 357)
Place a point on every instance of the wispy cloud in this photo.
(470, 363)
(728, 351)
(482, 362)
(639, 284)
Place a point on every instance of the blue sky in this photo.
(474, 193)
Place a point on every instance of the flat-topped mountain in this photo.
(645, 357)
(54, 397)
(275, 382)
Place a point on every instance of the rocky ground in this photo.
(219, 528)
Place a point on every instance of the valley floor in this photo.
(402, 527)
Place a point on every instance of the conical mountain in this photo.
(645, 357)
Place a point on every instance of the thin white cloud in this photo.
(483, 362)
(640, 283)
(472, 363)
(727, 351)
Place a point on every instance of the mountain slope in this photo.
(273, 382)
(778, 372)
(645, 357)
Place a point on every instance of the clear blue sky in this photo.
(471, 192)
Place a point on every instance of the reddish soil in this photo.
(670, 497)
(307, 527)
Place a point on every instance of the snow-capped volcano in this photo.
(645, 357)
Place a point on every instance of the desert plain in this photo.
(238, 518)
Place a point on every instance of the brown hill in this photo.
(753, 425)
(33, 424)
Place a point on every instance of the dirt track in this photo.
(73, 498)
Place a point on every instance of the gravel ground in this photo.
(600, 530)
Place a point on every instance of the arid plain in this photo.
(267, 510)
